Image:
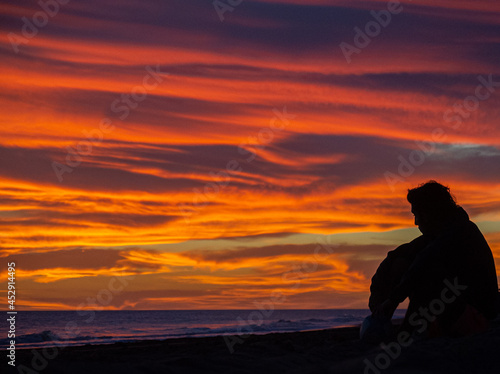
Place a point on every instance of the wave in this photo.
(239, 326)
(48, 338)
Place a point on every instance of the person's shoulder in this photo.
(419, 241)
(409, 248)
(472, 226)
(471, 232)
(463, 222)
(467, 227)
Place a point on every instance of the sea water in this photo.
(35, 329)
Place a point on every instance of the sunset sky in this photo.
(183, 154)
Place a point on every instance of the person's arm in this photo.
(410, 278)
(424, 265)
(389, 276)
(381, 286)
(386, 309)
(389, 273)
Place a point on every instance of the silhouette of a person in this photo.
(448, 273)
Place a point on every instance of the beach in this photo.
(324, 351)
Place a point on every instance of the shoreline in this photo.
(61, 343)
(336, 350)
(229, 336)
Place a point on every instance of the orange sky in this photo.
(156, 157)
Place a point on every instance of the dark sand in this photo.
(325, 351)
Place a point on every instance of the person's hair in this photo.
(433, 199)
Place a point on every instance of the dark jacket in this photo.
(459, 254)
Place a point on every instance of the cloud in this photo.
(157, 179)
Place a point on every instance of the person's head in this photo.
(432, 205)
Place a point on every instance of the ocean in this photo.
(71, 328)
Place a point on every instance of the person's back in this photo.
(476, 266)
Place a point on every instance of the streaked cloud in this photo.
(153, 198)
